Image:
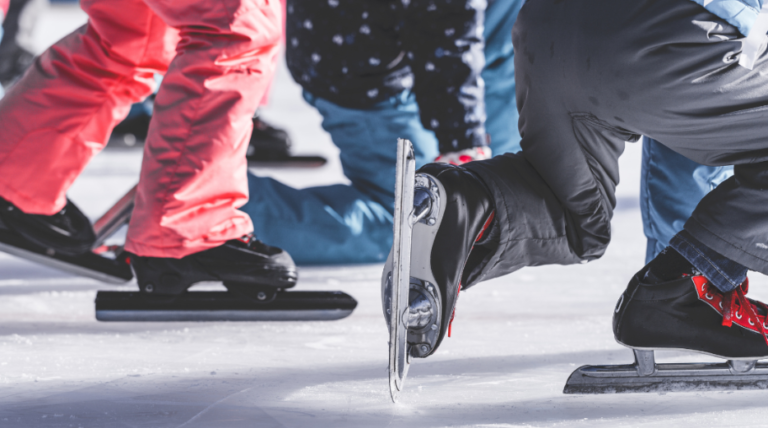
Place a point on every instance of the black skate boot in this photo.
(246, 266)
(130, 132)
(268, 143)
(663, 308)
(455, 210)
(690, 314)
(68, 232)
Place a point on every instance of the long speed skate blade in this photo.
(224, 306)
(403, 230)
(647, 376)
(113, 271)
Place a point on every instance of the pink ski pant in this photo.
(218, 57)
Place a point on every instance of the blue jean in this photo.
(499, 76)
(670, 188)
(344, 223)
(723, 273)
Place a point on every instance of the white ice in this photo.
(515, 339)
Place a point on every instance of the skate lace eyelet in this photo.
(721, 305)
(750, 322)
(765, 325)
(708, 296)
(738, 315)
(704, 287)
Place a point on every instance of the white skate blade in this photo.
(647, 376)
(401, 267)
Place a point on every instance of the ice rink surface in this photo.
(515, 339)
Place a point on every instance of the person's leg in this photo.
(59, 115)
(571, 132)
(499, 76)
(193, 175)
(344, 223)
(581, 95)
(671, 186)
(668, 70)
(612, 94)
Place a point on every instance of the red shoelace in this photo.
(735, 305)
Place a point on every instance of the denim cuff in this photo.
(723, 273)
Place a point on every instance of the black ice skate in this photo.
(684, 314)
(271, 147)
(131, 132)
(255, 274)
(245, 266)
(65, 240)
(439, 214)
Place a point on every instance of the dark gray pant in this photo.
(592, 74)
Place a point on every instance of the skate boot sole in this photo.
(163, 284)
(660, 348)
(423, 329)
(423, 325)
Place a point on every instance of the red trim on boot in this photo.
(485, 226)
(453, 314)
(479, 236)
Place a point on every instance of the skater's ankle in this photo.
(723, 273)
(669, 265)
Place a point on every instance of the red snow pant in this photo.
(218, 57)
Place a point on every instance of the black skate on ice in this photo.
(65, 241)
(684, 314)
(271, 147)
(246, 266)
(439, 214)
(256, 275)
